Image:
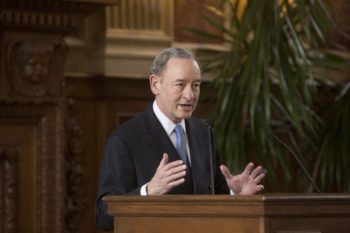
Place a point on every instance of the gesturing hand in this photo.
(248, 182)
(167, 176)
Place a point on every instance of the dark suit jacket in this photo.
(134, 151)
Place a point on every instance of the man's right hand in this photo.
(168, 176)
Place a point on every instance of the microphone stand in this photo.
(211, 162)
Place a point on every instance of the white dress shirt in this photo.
(169, 127)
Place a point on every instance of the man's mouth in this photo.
(186, 106)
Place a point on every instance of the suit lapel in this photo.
(156, 139)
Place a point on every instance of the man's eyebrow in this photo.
(183, 80)
(179, 80)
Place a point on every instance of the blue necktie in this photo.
(181, 142)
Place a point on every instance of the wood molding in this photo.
(63, 16)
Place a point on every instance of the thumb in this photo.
(164, 160)
(225, 171)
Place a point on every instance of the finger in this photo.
(225, 171)
(257, 171)
(164, 160)
(176, 183)
(173, 164)
(259, 178)
(174, 177)
(259, 188)
(248, 169)
(176, 169)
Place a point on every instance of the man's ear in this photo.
(154, 82)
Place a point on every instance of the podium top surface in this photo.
(226, 205)
(230, 198)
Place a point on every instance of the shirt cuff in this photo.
(143, 190)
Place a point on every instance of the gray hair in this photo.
(160, 61)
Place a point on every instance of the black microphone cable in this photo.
(298, 160)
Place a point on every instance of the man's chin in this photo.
(185, 115)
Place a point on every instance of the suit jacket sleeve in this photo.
(220, 181)
(115, 164)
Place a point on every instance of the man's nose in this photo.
(188, 92)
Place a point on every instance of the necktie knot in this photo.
(181, 142)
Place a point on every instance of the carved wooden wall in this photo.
(32, 166)
(38, 168)
(31, 119)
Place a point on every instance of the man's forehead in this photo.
(179, 59)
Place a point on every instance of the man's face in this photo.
(177, 88)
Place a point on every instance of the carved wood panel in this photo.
(34, 68)
(40, 175)
(8, 189)
(37, 176)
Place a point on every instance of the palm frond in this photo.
(269, 75)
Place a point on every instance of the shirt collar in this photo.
(167, 124)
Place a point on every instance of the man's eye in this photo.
(196, 85)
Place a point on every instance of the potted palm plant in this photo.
(267, 82)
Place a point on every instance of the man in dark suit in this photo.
(164, 150)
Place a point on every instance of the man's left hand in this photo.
(248, 182)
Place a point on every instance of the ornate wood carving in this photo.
(36, 195)
(8, 189)
(35, 68)
(41, 186)
(35, 128)
(76, 203)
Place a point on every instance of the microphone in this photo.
(211, 162)
(273, 136)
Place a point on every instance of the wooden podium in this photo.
(270, 213)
